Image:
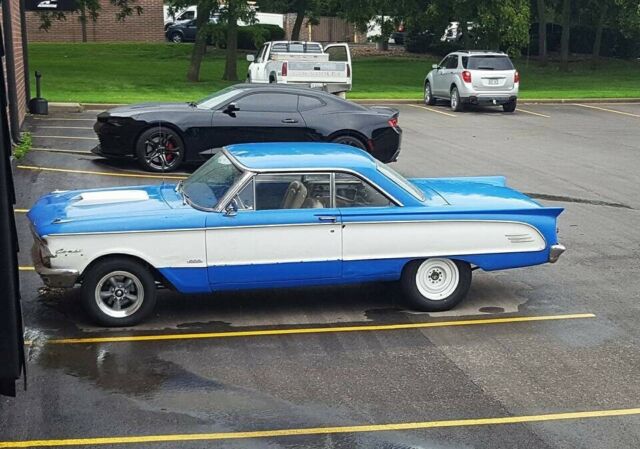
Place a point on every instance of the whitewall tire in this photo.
(436, 284)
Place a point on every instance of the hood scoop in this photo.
(109, 197)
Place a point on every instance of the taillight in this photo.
(393, 122)
(285, 69)
(466, 76)
(348, 70)
(516, 77)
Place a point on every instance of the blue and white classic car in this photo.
(283, 215)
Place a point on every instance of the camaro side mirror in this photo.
(231, 109)
(435, 66)
(251, 58)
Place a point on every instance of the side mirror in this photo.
(232, 209)
(435, 66)
(251, 58)
(231, 109)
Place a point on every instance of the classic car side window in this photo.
(291, 191)
(245, 199)
(352, 191)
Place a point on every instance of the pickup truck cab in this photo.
(303, 63)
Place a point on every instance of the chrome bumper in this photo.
(53, 277)
(555, 252)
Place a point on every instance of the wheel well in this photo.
(272, 77)
(154, 271)
(452, 86)
(353, 133)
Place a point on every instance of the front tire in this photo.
(177, 38)
(510, 107)
(435, 285)
(160, 149)
(456, 101)
(118, 292)
(428, 95)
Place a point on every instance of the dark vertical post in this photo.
(10, 61)
(25, 52)
(11, 332)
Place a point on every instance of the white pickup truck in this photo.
(304, 63)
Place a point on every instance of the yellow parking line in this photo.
(432, 110)
(65, 127)
(533, 113)
(26, 269)
(64, 137)
(99, 173)
(608, 110)
(306, 431)
(58, 150)
(317, 330)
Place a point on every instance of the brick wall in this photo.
(16, 35)
(146, 27)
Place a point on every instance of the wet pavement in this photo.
(211, 390)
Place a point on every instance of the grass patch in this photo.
(135, 72)
(21, 150)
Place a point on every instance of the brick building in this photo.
(146, 27)
(14, 63)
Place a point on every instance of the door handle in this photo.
(289, 120)
(327, 218)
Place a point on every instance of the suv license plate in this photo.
(316, 85)
(493, 82)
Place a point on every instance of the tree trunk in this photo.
(83, 22)
(566, 34)
(542, 32)
(597, 43)
(297, 25)
(230, 65)
(200, 46)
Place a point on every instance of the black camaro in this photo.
(161, 136)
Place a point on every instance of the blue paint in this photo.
(187, 280)
(259, 274)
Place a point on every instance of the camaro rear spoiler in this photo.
(393, 112)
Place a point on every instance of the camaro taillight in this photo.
(285, 69)
(516, 77)
(393, 122)
(466, 76)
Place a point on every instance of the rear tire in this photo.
(456, 101)
(510, 107)
(435, 285)
(428, 95)
(349, 140)
(118, 292)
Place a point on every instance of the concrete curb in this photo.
(80, 107)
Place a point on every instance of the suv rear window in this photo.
(487, 62)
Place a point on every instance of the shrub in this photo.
(250, 37)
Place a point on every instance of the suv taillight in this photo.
(285, 69)
(516, 77)
(393, 122)
(466, 76)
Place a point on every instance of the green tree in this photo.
(89, 10)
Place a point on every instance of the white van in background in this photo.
(191, 12)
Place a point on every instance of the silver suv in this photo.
(473, 77)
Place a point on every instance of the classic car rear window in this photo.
(400, 180)
(207, 185)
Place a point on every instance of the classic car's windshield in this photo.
(219, 98)
(400, 180)
(207, 185)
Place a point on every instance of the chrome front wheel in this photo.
(119, 294)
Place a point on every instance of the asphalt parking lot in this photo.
(542, 357)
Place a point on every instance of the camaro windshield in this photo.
(219, 98)
(207, 185)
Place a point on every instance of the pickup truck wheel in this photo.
(118, 292)
(428, 96)
(350, 140)
(437, 284)
(160, 149)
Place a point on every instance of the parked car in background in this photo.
(184, 31)
(473, 77)
(284, 215)
(161, 136)
(453, 31)
(180, 16)
(303, 63)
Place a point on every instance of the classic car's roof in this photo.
(286, 156)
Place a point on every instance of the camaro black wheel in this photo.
(456, 101)
(351, 141)
(428, 96)
(510, 107)
(436, 284)
(160, 149)
(118, 292)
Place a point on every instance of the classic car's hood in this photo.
(476, 193)
(104, 210)
(135, 109)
